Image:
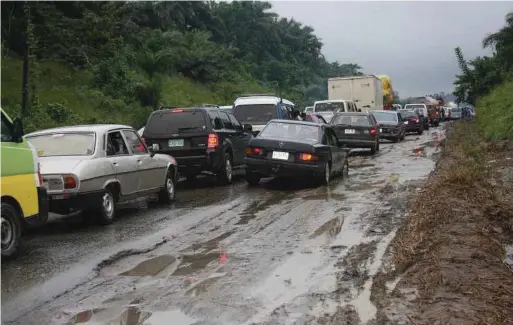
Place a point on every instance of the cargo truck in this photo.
(365, 91)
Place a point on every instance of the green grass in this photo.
(495, 112)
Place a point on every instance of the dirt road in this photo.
(280, 253)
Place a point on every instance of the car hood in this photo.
(59, 164)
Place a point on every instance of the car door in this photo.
(242, 137)
(151, 170)
(402, 126)
(335, 149)
(230, 134)
(125, 164)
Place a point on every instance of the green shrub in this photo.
(495, 112)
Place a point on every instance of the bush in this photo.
(495, 112)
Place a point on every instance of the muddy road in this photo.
(280, 253)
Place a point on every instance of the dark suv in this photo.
(202, 139)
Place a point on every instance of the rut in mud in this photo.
(275, 254)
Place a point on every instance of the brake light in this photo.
(213, 141)
(177, 110)
(417, 121)
(253, 151)
(373, 131)
(308, 157)
(69, 182)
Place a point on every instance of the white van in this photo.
(419, 108)
(328, 108)
(257, 110)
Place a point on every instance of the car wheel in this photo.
(377, 145)
(167, 194)
(397, 139)
(325, 177)
(374, 148)
(420, 131)
(225, 175)
(437, 124)
(253, 178)
(11, 230)
(107, 209)
(403, 136)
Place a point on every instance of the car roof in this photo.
(333, 101)
(260, 100)
(82, 128)
(295, 122)
(384, 111)
(354, 113)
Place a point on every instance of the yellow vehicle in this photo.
(24, 199)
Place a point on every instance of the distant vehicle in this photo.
(227, 108)
(257, 110)
(412, 121)
(308, 109)
(422, 110)
(391, 125)
(397, 107)
(140, 131)
(328, 108)
(202, 140)
(456, 113)
(365, 91)
(295, 149)
(312, 117)
(357, 130)
(93, 167)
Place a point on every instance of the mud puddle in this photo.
(132, 315)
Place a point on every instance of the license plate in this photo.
(405, 122)
(175, 143)
(280, 155)
(380, 130)
(349, 131)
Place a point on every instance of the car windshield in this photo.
(385, 117)
(288, 131)
(407, 114)
(176, 121)
(357, 120)
(256, 113)
(329, 107)
(64, 144)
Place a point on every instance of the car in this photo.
(226, 108)
(202, 140)
(422, 110)
(456, 113)
(412, 121)
(140, 131)
(357, 130)
(296, 149)
(94, 167)
(391, 125)
(328, 108)
(308, 109)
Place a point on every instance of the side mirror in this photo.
(18, 131)
(248, 128)
(152, 150)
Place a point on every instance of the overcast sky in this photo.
(412, 42)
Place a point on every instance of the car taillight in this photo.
(213, 141)
(69, 182)
(39, 176)
(308, 157)
(373, 131)
(417, 121)
(253, 151)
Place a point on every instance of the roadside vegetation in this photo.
(117, 61)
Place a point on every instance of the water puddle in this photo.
(361, 186)
(325, 196)
(193, 263)
(130, 316)
(210, 244)
(151, 267)
(330, 228)
(171, 317)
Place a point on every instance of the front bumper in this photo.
(273, 168)
(71, 202)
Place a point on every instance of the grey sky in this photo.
(412, 42)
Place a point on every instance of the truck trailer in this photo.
(365, 91)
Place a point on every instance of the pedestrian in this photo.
(442, 114)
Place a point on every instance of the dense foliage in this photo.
(133, 57)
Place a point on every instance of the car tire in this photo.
(420, 131)
(106, 210)
(10, 230)
(253, 179)
(377, 145)
(374, 148)
(397, 139)
(225, 174)
(167, 193)
(325, 177)
(403, 136)
(437, 124)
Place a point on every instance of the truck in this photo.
(365, 91)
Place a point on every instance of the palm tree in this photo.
(502, 42)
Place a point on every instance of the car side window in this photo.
(6, 130)
(226, 120)
(216, 119)
(116, 145)
(135, 143)
(236, 124)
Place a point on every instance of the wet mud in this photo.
(280, 253)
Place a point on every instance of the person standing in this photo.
(442, 114)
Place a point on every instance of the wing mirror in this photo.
(153, 149)
(18, 131)
(248, 128)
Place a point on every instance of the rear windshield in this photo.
(168, 122)
(256, 113)
(329, 107)
(64, 144)
(289, 131)
(408, 113)
(385, 117)
(356, 120)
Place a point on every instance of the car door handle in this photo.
(115, 163)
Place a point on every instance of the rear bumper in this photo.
(414, 127)
(68, 203)
(270, 168)
(210, 162)
(43, 208)
(358, 143)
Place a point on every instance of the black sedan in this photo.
(356, 130)
(287, 148)
(412, 121)
(391, 125)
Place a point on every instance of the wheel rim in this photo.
(108, 204)
(327, 173)
(170, 187)
(228, 170)
(7, 233)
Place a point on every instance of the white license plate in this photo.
(380, 130)
(280, 155)
(175, 143)
(349, 131)
(405, 122)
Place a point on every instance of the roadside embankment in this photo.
(450, 262)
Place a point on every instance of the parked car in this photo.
(93, 167)
(391, 125)
(24, 199)
(357, 130)
(422, 110)
(412, 121)
(202, 140)
(295, 149)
